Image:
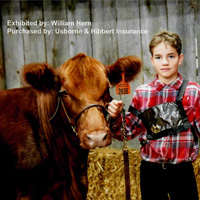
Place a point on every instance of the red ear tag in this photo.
(123, 87)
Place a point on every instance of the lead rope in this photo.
(126, 158)
(123, 88)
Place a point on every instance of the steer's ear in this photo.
(41, 76)
(130, 65)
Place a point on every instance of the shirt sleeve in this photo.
(197, 114)
(133, 123)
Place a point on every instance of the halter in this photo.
(73, 125)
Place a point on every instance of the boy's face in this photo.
(166, 61)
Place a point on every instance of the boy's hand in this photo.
(114, 108)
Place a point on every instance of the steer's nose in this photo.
(97, 138)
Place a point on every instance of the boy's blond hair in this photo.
(166, 36)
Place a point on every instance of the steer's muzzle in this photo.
(93, 127)
(96, 139)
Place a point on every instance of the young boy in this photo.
(166, 131)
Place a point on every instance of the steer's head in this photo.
(85, 84)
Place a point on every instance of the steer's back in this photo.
(15, 102)
(18, 128)
(19, 148)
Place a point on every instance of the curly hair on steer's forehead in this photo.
(167, 37)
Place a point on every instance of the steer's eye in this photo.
(65, 93)
(62, 93)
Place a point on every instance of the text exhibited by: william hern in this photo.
(77, 27)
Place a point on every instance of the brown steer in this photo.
(47, 128)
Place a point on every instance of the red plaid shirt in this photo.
(176, 148)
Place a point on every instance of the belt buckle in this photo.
(163, 165)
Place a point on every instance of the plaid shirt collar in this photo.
(175, 84)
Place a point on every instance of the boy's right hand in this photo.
(114, 108)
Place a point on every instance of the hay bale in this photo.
(106, 174)
(196, 166)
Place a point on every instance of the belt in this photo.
(167, 165)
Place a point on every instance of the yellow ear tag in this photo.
(123, 87)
